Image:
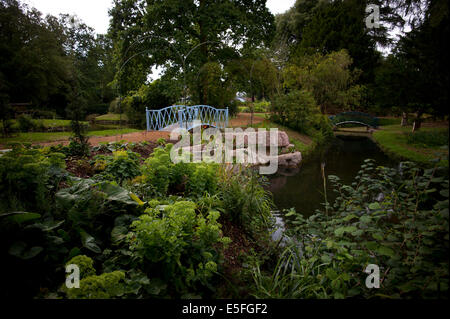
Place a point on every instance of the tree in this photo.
(339, 25)
(32, 64)
(415, 77)
(39, 55)
(218, 29)
(156, 95)
(329, 78)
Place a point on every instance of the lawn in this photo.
(112, 117)
(47, 123)
(385, 121)
(57, 123)
(394, 140)
(58, 136)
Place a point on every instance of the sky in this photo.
(95, 12)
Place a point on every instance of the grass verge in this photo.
(393, 139)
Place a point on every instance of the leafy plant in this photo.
(244, 200)
(122, 166)
(104, 286)
(161, 141)
(298, 110)
(26, 123)
(91, 208)
(28, 177)
(396, 219)
(177, 244)
(85, 264)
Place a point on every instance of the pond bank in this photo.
(393, 140)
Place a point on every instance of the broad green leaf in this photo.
(21, 250)
(47, 226)
(378, 236)
(386, 251)
(374, 206)
(365, 219)
(21, 217)
(89, 242)
(331, 274)
(119, 233)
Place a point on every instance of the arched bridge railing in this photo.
(354, 118)
(182, 116)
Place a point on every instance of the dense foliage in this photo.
(41, 57)
(158, 235)
(394, 218)
(298, 110)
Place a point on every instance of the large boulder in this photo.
(282, 139)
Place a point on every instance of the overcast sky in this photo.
(95, 12)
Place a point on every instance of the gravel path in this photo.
(241, 120)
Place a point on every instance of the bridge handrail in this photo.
(184, 115)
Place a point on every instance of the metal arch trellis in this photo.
(182, 116)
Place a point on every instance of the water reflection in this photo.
(303, 188)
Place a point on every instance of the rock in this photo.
(283, 138)
(291, 159)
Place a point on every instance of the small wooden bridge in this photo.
(357, 118)
(186, 117)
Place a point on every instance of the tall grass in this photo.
(292, 278)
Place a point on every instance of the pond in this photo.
(302, 188)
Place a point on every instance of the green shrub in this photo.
(105, 286)
(261, 107)
(244, 201)
(299, 111)
(232, 106)
(163, 176)
(121, 167)
(26, 123)
(177, 244)
(85, 264)
(203, 178)
(156, 170)
(156, 95)
(79, 141)
(161, 141)
(27, 177)
(396, 219)
(114, 107)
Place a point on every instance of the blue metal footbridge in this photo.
(357, 118)
(186, 117)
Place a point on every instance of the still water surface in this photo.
(303, 188)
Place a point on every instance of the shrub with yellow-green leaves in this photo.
(26, 177)
(105, 286)
(85, 264)
(177, 244)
